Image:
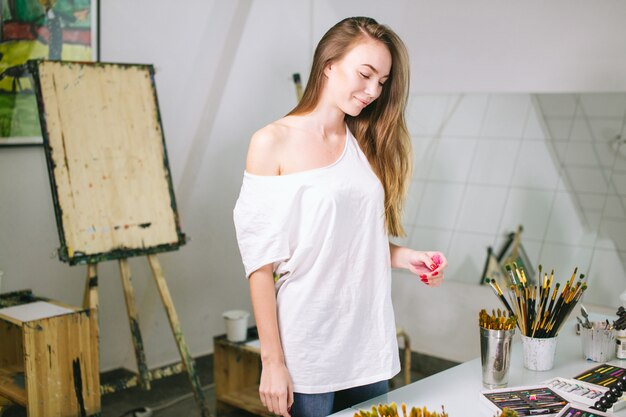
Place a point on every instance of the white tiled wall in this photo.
(486, 163)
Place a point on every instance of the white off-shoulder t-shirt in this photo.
(324, 232)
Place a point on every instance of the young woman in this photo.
(322, 191)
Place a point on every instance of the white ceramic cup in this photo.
(539, 353)
(598, 342)
(236, 325)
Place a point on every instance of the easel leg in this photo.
(129, 295)
(90, 301)
(157, 272)
(4, 403)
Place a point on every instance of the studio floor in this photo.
(168, 397)
(171, 396)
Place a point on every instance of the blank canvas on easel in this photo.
(111, 184)
(106, 154)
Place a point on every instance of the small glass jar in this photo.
(620, 339)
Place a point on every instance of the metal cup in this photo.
(495, 355)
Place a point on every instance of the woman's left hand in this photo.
(429, 266)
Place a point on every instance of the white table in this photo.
(458, 388)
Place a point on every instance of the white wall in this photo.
(485, 163)
(223, 70)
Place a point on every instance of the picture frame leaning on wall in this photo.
(511, 251)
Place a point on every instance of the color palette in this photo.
(527, 401)
(579, 411)
(602, 375)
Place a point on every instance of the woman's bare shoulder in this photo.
(266, 147)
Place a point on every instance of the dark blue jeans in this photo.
(321, 405)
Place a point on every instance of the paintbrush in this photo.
(298, 84)
(583, 311)
(546, 294)
(496, 288)
(537, 318)
(515, 305)
(509, 270)
(516, 302)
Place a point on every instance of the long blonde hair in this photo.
(380, 128)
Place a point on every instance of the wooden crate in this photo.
(50, 364)
(237, 372)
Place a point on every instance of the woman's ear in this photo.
(328, 69)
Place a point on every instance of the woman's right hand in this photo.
(276, 388)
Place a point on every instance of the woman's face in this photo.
(357, 79)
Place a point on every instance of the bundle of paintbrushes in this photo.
(497, 320)
(540, 309)
(391, 410)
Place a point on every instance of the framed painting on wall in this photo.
(65, 30)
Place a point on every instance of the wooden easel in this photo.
(111, 186)
(90, 301)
